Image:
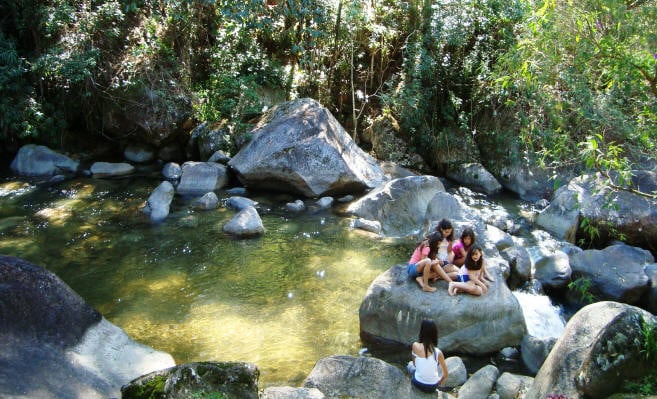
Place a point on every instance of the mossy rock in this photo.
(226, 380)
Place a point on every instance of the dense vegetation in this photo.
(562, 83)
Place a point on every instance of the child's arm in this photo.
(476, 278)
(443, 366)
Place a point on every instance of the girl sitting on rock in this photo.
(423, 368)
(461, 247)
(470, 275)
(423, 264)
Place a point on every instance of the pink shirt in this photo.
(420, 252)
(457, 249)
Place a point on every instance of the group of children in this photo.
(462, 264)
(459, 262)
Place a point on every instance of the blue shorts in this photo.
(463, 278)
(412, 270)
(427, 388)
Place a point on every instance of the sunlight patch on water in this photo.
(15, 188)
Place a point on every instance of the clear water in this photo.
(281, 301)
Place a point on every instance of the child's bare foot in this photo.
(429, 289)
(420, 282)
(451, 290)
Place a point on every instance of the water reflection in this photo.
(281, 301)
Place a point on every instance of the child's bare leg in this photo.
(437, 269)
(451, 290)
(425, 277)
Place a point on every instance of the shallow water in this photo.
(281, 301)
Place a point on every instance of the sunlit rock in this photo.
(110, 169)
(475, 176)
(246, 223)
(198, 178)
(55, 345)
(299, 147)
(159, 202)
(599, 350)
(38, 160)
(394, 306)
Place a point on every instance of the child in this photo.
(469, 277)
(445, 252)
(423, 368)
(423, 264)
(461, 247)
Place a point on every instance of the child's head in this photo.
(468, 237)
(474, 258)
(446, 229)
(434, 242)
(428, 334)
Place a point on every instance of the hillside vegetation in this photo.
(559, 83)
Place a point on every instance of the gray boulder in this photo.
(535, 350)
(159, 202)
(633, 216)
(599, 349)
(480, 384)
(198, 178)
(299, 147)
(475, 176)
(400, 205)
(512, 386)
(616, 272)
(246, 223)
(238, 203)
(54, 345)
(394, 306)
(171, 171)
(230, 379)
(207, 201)
(139, 153)
(552, 269)
(38, 160)
(341, 376)
(111, 169)
(291, 393)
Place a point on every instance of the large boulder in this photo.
(616, 272)
(587, 197)
(159, 202)
(394, 306)
(198, 178)
(341, 376)
(400, 205)
(299, 147)
(232, 380)
(38, 160)
(600, 348)
(475, 176)
(54, 345)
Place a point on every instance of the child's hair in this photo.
(444, 225)
(468, 232)
(428, 336)
(469, 263)
(434, 242)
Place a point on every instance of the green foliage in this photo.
(648, 384)
(582, 286)
(208, 395)
(582, 77)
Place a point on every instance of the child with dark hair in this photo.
(461, 248)
(445, 252)
(423, 368)
(469, 278)
(423, 264)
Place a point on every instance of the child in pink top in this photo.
(423, 264)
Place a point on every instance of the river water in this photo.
(281, 301)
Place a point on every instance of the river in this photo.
(281, 301)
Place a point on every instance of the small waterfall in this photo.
(543, 319)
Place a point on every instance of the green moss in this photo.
(152, 389)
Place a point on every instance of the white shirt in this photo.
(426, 368)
